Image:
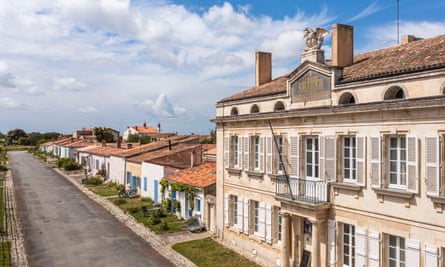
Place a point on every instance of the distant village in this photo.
(141, 166)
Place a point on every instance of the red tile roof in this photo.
(200, 176)
(411, 57)
(145, 129)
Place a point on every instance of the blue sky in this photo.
(68, 64)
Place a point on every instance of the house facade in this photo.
(338, 163)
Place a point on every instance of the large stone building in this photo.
(360, 181)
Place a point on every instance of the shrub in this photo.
(119, 201)
(164, 226)
(133, 210)
(94, 181)
(71, 166)
(3, 168)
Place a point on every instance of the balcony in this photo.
(300, 190)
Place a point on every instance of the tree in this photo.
(16, 134)
(211, 139)
(103, 133)
(133, 138)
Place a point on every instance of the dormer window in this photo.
(255, 109)
(394, 93)
(279, 106)
(346, 99)
(234, 112)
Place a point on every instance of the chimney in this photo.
(129, 146)
(263, 71)
(410, 38)
(192, 157)
(342, 45)
(169, 144)
(118, 143)
(104, 143)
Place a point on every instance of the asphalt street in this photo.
(63, 227)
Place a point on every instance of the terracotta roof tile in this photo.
(276, 86)
(145, 129)
(200, 176)
(406, 58)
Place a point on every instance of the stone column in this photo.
(296, 233)
(285, 240)
(315, 261)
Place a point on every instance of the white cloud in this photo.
(8, 103)
(369, 10)
(67, 84)
(6, 77)
(88, 110)
(162, 107)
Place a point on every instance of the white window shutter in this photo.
(240, 152)
(361, 160)
(374, 249)
(431, 256)
(226, 210)
(240, 214)
(269, 223)
(412, 163)
(246, 216)
(294, 156)
(226, 151)
(262, 221)
(361, 248)
(261, 154)
(321, 165)
(330, 160)
(269, 158)
(376, 165)
(412, 253)
(331, 244)
(246, 142)
(432, 165)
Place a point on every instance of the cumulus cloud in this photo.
(88, 110)
(162, 107)
(6, 77)
(67, 84)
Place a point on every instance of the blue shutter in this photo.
(156, 191)
(198, 205)
(145, 184)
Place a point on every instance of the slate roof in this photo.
(200, 176)
(416, 56)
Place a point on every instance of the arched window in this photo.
(234, 112)
(346, 98)
(394, 92)
(254, 109)
(279, 106)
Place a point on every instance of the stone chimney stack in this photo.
(263, 71)
(342, 45)
(410, 38)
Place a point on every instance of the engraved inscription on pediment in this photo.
(311, 86)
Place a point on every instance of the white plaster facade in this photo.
(150, 178)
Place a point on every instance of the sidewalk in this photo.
(161, 243)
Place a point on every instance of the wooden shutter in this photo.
(361, 249)
(261, 159)
(294, 156)
(432, 165)
(330, 160)
(226, 151)
(269, 157)
(262, 220)
(239, 214)
(331, 244)
(321, 151)
(431, 256)
(269, 223)
(226, 210)
(374, 249)
(246, 142)
(361, 160)
(376, 162)
(246, 216)
(240, 152)
(412, 253)
(412, 164)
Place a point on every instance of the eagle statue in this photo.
(314, 39)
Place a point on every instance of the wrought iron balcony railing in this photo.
(309, 191)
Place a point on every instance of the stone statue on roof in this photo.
(314, 39)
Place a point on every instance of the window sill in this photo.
(235, 229)
(255, 174)
(233, 171)
(273, 176)
(439, 202)
(405, 195)
(256, 238)
(348, 187)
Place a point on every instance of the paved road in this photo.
(62, 227)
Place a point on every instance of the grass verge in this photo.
(5, 251)
(207, 252)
